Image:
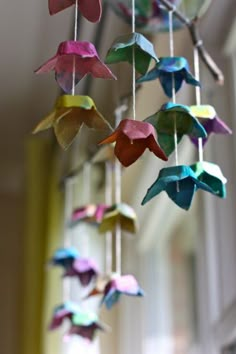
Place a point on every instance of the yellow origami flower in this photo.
(68, 116)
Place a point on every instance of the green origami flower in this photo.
(173, 117)
(129, 45)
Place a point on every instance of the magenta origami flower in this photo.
(90, 9)
(132, 137)
(79, 57)
(90, 213)
(83, 268)
(62, 312)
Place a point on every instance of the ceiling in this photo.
(29, 35)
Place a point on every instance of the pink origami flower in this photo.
(132, 137)
(90, 9)
(79, 57)
(90, 213)
(83, 268)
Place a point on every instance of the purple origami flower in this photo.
(80, 58)
(90, 9)
(83, 268)
(62, 312)
(210, 121)
(64, 257)
(118, 285)
(90, 213)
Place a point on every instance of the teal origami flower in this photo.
(171, 70)
(211, 175)
(180, 183)
(122, 50)
(175, 116)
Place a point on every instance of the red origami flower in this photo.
(132, 138)
(90, 9)
(79, 57)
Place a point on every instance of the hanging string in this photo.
(133, 62)
(68, 205)
(118, 114)
(198, 95)
(108, 201)
(86, 200)
(171, 40)
(75, 39)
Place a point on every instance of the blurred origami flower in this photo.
(64, 257)
(121, 284)
(68, 116)
(121, 214)
(74, 60)
(123, 47)
(170, 70)
(66, 310)
(85, 324)
(100, 284)
(91, 213)
(210, 121)
(90, 9)
(132, 138)
(211, 175)
(180, 183)
(173, 117)
(83, 268)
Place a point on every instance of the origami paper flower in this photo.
(179, 182)
(122, 50)
(78, 57)
(121, 214)
(211, 175)
(83, 268)
(85, 324)
(91, 213)
(64, 257)
(121, 284)
(172, 116)
(101, 281)
(169, 70)
(210, 121)
(62, 312)
(132, 138)
(69, 115)
(90, 9)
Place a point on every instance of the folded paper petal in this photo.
(68, 116)
(132, 138)
(169, 70)
(62, 312)
(90, 9)
(211, 175)
(91, 213)
(121, 284)
(83, 268)
(173, 117)
(121, 214)
(78, 57)
(210, 121)
(180, 183)
(123, 47)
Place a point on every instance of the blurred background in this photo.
(185, 261)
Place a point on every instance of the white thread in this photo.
(75, 39)
(198, 96)
(133, 63)
(117, 201)
(108, 201)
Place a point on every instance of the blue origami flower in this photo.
(169, 70)
(180, 183)
(64, 257)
